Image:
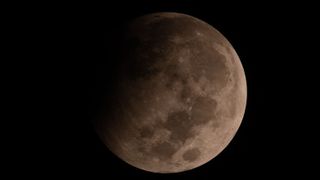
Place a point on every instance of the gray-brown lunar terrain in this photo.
(181, 95)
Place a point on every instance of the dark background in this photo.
(71, 66)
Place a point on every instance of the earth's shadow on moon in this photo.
(103, 89)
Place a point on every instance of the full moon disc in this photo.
(180, 95)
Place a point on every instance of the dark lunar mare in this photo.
(174, 53)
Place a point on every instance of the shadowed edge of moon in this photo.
(180, 123)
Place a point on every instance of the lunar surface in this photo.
(180, 95)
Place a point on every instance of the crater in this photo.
(146, 132)
(186, 94)
(191, 154)
(180, 125)
(163, 150)
(210, 64)
(142, 149)
(203, 110)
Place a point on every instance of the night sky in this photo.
(77, 63)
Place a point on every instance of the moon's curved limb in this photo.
(181, 95)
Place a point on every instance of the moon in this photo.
(179, 95)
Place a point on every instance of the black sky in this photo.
(77, 45)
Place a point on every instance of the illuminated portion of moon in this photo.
(181, 95)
